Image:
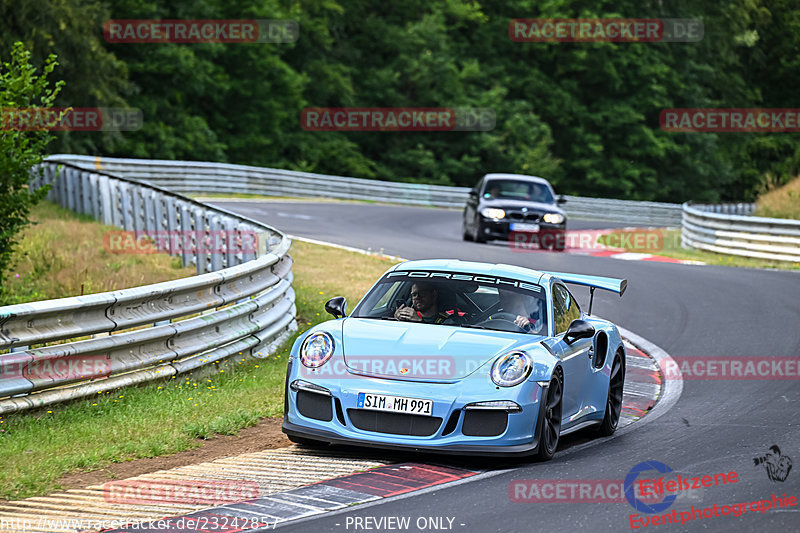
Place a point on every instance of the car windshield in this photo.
(457, 299)
(518, 190)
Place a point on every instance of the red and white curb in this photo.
(636, 256)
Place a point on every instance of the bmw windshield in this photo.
(501, 189)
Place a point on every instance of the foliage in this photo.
(20, 88)
(585, 115)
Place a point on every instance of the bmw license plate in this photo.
(395, 404)
(521, 226)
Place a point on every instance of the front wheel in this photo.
(616, 382)
(478, 235)
(551, 423)
(465, 231)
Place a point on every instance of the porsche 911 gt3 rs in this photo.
(458, 357)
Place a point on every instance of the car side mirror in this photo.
(473, 193)
(561, 199)
(337, 306)
(578, 329)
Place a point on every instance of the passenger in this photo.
(494, 192)
(516, 303)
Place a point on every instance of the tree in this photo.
(20, 88)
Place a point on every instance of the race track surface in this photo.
(690, 311)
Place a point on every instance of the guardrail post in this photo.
(48, 177)
(150, 213)
(117, 206)
(86, 194)
(250, 242)
(94, 196)
(137, 210)
(67, 198)
(105, 207)
(171, 224)
(187, 240)
(201, 238)
(217, 243)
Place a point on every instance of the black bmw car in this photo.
(501, 205)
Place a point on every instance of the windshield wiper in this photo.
(474, 326)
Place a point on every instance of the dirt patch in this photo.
(264, 436)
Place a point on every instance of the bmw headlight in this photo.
(491, 212)
(316, 349)
(553, 218)
(511, 369)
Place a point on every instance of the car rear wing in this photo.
(593, 282)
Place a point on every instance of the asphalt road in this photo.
(690, 311)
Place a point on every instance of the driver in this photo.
(425, 306)
(516, 303)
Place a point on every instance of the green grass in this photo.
(783, 202)
(171, 416)
(64, 254)
(672, 248)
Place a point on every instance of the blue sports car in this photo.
(458, 357)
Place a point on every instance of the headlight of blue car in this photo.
(511, 369)
(316, 349)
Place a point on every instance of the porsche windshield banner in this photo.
(477, 278)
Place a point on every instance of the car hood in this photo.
(422, 352)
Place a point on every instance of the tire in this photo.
(478, 237)
(616, 382)
(465, 231)
(551, 422)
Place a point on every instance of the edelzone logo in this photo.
(638, 504)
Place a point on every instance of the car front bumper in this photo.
(501, 230)
(346, 425)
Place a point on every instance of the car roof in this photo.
(474, 267)
(518, 177)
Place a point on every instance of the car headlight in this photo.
(316, 349)
(511, 369)
(553, 218)
(491, 212)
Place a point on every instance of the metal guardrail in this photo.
(707, 227)
(219, 178)
(244, 298)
